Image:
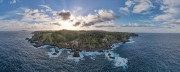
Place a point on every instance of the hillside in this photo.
(79, 40)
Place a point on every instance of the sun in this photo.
(67, 25)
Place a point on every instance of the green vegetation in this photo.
(79, 40)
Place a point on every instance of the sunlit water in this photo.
(148, 53)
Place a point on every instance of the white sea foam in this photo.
(53, 53)
(114, 46)
(76, 59)
(44, 46)
(91, 54)
(109, 54)
(117, 61)
(33, 43)
(130, 40)
(36, 41)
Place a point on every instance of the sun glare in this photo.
(67, 25)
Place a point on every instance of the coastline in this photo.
(82, 45)
(109, 54)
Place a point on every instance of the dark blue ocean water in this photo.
(149, 53)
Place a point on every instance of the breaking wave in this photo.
(115, 58)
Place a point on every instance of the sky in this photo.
(154, 16)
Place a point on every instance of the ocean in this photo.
(150, 52)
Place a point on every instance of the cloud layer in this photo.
(138, 6)
(133, 13)
(171, 10)
(142, 5)
(91, 19)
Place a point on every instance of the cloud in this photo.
(31, 20)
(170, 6)
(108, 24)
(175, 21)
(42, 19)
(129, 3)
(40, 26)
(101, 16)
(171, 10)
(136, 25)
(58, 24)
(142, 5)
(47, 7)
(35, 16)
(77, 10)
(20, 25)
(137, 6)
(64, 15)
(146, 25)
(163, 17)
(77, 24)
(13, 2)
(88, 24)
(11, 24)
(124, 10)
(89, 20)
(102, 26)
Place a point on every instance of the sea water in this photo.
(151, 52)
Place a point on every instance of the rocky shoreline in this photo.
(104, 40)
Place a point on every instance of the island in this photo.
(77, 41)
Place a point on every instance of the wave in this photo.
(130, 40)
(109, 54)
